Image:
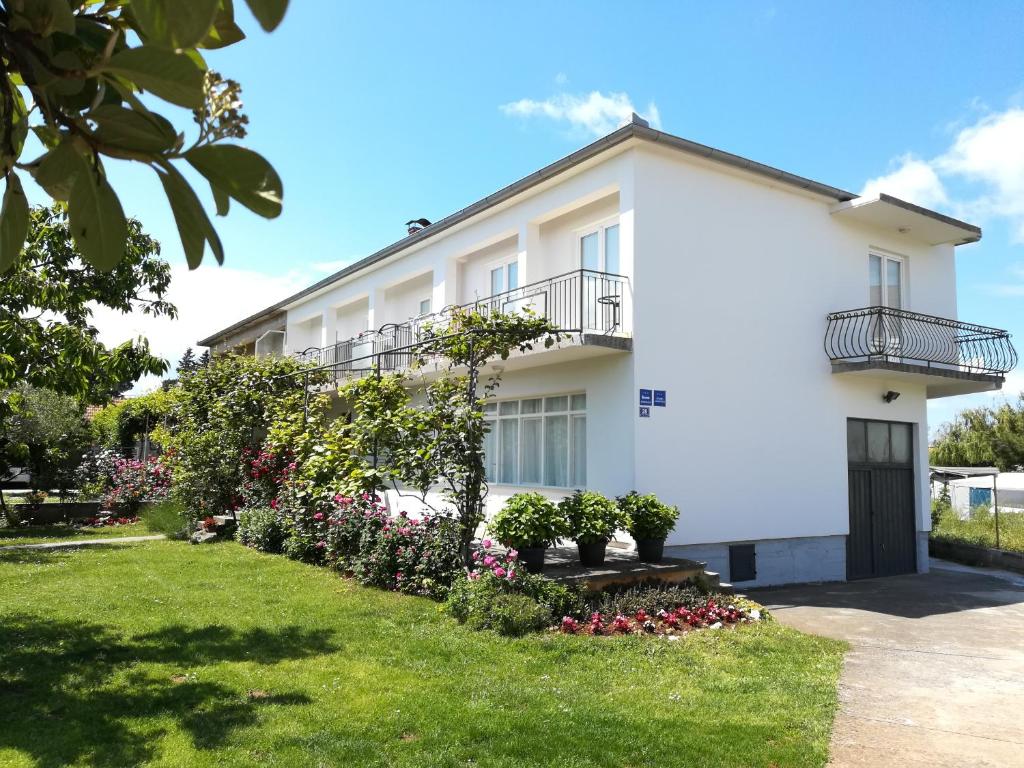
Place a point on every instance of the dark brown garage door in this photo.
(883, 536)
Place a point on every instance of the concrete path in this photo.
(935, 676)
(83, 542)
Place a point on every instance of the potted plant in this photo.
(530, 524)
(649, 522)
(593, 520)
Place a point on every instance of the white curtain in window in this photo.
(509, 450)
(530, 449)
(579, 451)
(556, 450)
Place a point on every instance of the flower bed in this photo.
(109, 522)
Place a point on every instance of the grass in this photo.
(168, 654)
(980, 528)
(50, 534)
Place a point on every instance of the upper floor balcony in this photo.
(948, 356)
(592, 308)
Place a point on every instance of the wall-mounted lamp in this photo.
(890, 396)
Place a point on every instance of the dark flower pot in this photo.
(650, 550)
(592, 554)
(532, 559)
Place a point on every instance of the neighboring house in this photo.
(752, 346)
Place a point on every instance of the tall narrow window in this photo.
(425, 307)
(505, 277)
(885, 281)
(599, 249)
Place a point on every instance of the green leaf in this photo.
(13, 222)
(43, 17)
(121, 127)
(194, 227)
(57, 170)
(268, 12)
(225, 31)
(241, 173)
(174, 77)
(175, 23)
(97, 220)
(221, 200)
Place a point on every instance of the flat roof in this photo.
(637, 128)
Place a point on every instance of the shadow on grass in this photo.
(12, 535)
(72, 692)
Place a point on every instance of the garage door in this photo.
(883, 535)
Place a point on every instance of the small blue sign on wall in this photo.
(646, 397)
(659, 397)
(645, 412)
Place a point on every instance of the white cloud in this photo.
(595, 113)
(913, 180)
(208, 299)
(988, 155)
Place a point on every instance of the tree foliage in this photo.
(217, 416)
(988, 436)
(47, 300)
(74, 71)
(127, 421)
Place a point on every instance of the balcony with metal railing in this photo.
(950, 357)
(592, 308)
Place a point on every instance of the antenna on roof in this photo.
(416, 225)
(637, 120)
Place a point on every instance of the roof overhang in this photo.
(891, 213)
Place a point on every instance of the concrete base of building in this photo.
(777, 561)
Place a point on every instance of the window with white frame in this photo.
(537, 441)
(425, 306)
(505, 276)
(885, 281)
(599, 247)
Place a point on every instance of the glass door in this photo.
(885, 289)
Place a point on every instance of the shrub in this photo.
(260, 528)
(517, 615)
(528, 520)
(135, 481)
(646, 517)
(650, 596)
(480, 600)
(592, 518)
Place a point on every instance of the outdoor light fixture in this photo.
(890, 396)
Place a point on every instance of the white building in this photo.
(720, 364)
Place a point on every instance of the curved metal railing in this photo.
(899, 336)
(579, 301)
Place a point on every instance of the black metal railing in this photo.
(898, 336)
(581, 301)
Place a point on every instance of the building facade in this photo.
(751, 346)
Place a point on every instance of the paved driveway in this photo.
(935, 675)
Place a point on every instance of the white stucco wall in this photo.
(732, 283)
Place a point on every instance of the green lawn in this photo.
(176, 655)
(980, 529)
(42, 534)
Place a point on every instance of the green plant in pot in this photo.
(649, 522)
(528, 523)
(593, 520)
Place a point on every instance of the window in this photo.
(879, 442)
(537, 441)
(425, 307)
(505, 277)
(885, 281)
(599, 248)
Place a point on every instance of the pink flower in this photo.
(476, 555)
(473, 576)
(487, 543)
(512, 555)
(273, 503)
(321, 544)
(489, 561)
(499, 572)
(511, 574)
(318, 516)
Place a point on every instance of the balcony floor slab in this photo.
(939, 381)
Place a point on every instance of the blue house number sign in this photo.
(659, 397)
(645, 412)
(646, 397)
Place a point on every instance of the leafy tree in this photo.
(204, 359)
(73, 73)
(220, 414)
(47, 338)
(983, 437)
(45, 433)
(127, 421)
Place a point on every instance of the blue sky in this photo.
(376, 113)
